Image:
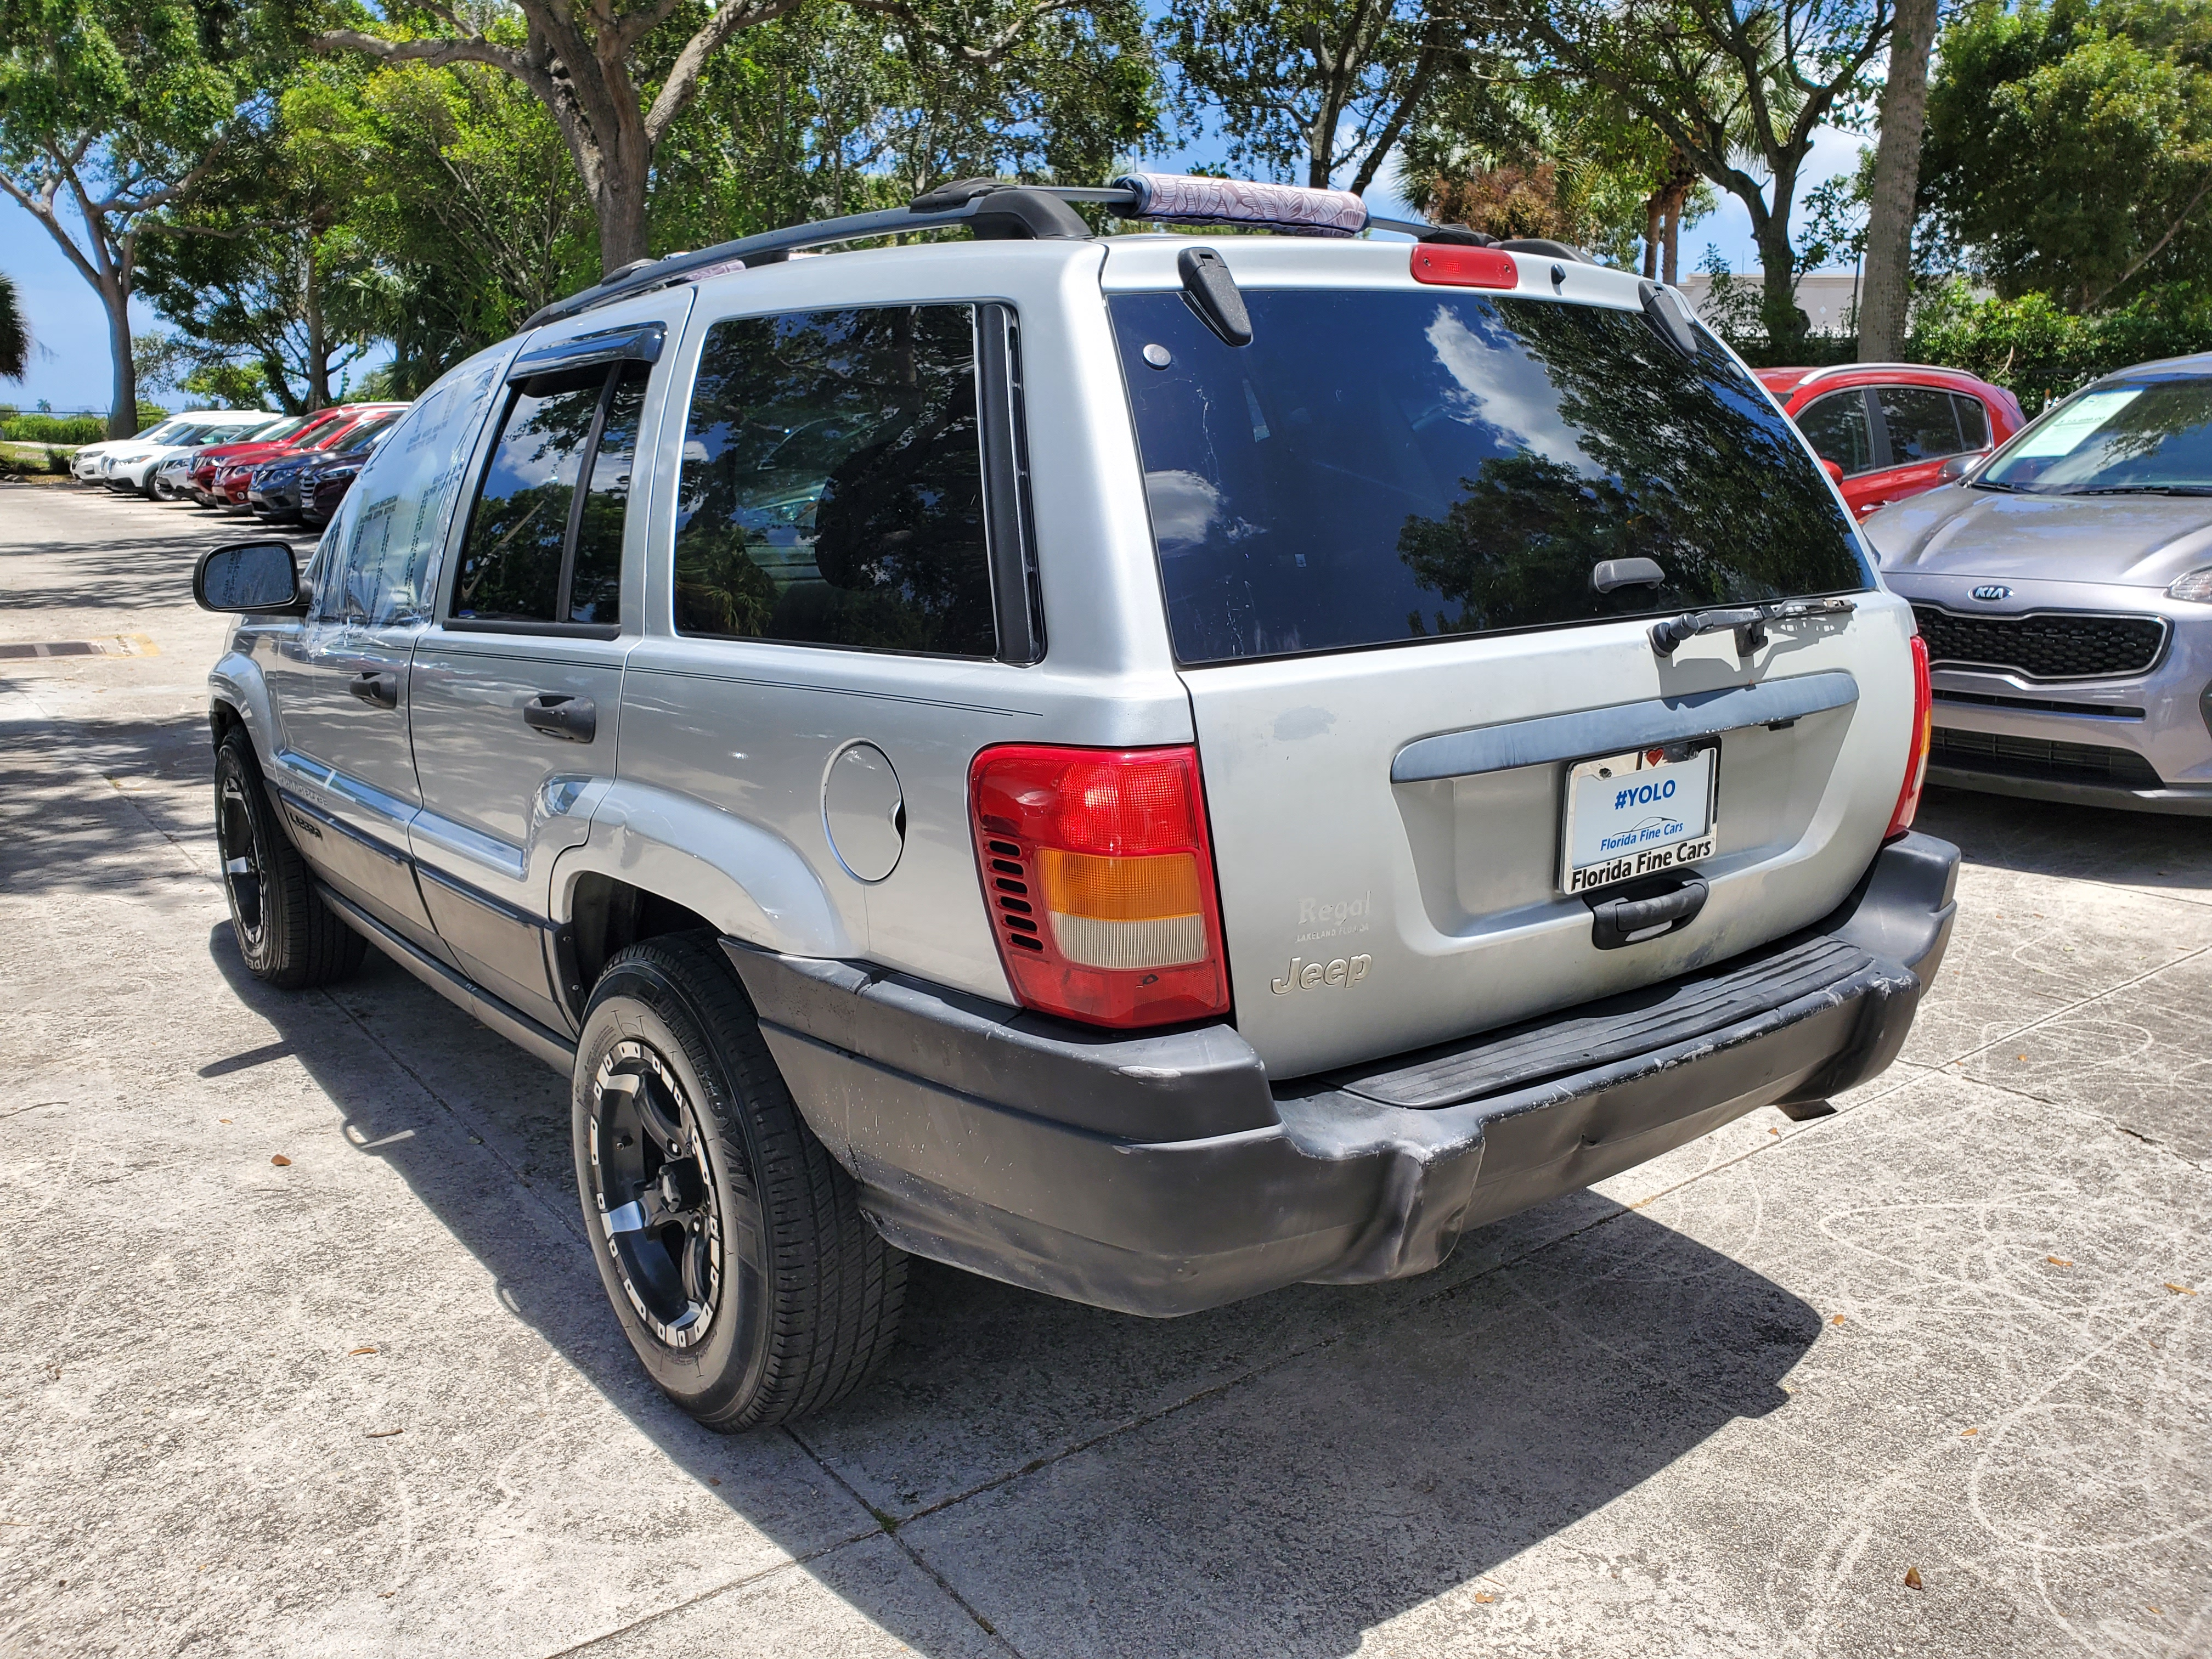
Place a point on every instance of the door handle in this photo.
(381, 689)
(573, 719)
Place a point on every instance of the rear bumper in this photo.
(1163, 1174)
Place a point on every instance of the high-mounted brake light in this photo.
(1924, 732)
(1099, 876)
(1457, 266)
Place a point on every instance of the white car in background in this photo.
(84, 465)
(135, 463)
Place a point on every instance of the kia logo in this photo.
(1993, 592)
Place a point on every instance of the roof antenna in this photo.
(1212, 292)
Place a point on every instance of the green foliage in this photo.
(465, 216)
(114, 107)
(1307, 89)
(2070, 147)
(2039, 350)
(54, 429)
(1740, 87)
(1522, 155)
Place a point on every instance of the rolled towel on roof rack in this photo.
(1181, 198)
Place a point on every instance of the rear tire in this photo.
(285, 932)
(731, 1243)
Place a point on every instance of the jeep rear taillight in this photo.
(1916, 758)
(1099, 877)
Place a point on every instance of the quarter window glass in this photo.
(1921, 425)
(1837, 428)
(595, 595)
(398, 508)
(832, 489)
(1973, 421)
(511, 563)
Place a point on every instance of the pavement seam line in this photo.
(890, 1529)
(1940, 1069)
(742, 1582)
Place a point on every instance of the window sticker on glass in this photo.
(2066, 432)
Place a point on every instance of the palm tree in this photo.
(15, 336)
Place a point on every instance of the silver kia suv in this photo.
(1150, 766)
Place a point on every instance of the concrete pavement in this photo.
(370, 1400)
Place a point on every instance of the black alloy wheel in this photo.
(661, 1216)
(731, 1245)
(241, 860)
(285, 932)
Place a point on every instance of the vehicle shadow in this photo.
(1396, 1441)
(146, 564)
(2054, 838)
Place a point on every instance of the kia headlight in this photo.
(2196, 585)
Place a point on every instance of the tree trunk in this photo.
(1654, 211)
(620, 204)
(1778, 263)
(123, 414)
(319, 360)
(1886, 289)
(1675, 199)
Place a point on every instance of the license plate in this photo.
(1638, 814)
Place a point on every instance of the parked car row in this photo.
(285, 468)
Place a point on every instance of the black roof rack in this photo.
(997, 208)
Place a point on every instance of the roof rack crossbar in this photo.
(852, 228)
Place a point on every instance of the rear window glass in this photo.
(1380, 467)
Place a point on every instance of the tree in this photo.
(15, 332)
(464, 214)
(1327, 87)
(1516, 155)
(112, 112)
(1739, 86)
(2069, 147)
(262, 270)
(593, 68)
(1886, 286)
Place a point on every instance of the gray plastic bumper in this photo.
(1162, 1174)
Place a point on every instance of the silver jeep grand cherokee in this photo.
(1150, 768)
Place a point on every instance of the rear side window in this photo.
(1920, 421)
(1973, 421)
(1379, 467)
(545, 542)
(832, 489)
(1837, 428)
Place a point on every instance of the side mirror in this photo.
(253, 579)
(1834, 470)
(1959, 466)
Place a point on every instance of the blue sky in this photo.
(70, 367)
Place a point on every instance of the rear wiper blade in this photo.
(1747, 622)
(2144, 489)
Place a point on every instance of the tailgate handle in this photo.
(1619, 921)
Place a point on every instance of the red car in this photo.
(211, 460)
(220, 473)
(235, 476)
(1890, 427)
